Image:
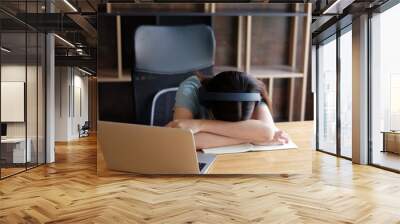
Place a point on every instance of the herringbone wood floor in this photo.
(70, 192)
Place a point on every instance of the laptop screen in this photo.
(201, 166)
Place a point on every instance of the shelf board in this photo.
(277, 72)
(265, 72)
(222, 68)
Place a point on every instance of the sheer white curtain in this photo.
(327, 96)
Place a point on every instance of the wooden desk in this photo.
(292, 161)
(391, 141)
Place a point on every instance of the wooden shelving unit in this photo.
(276, 72)
(293, 71)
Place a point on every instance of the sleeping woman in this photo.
(222, 123)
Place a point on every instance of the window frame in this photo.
(27, 29)
(334, 37)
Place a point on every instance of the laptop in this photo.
(151, 150)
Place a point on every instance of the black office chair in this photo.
(164, 57)
(162, 107)
(84, 129)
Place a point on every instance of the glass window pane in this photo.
(41, 97)
(14, 153)
(22, 88)
(327, 97)
(346, 94)
(385, 84)
(31, 100)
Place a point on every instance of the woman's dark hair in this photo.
(235, 82)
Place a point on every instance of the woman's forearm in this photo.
(208, 140)
(250, 130)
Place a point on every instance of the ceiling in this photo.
(76, 20)
(73, 21)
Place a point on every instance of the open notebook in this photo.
(248, 148)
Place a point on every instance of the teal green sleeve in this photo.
(187, 96)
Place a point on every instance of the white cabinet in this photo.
(16, 149)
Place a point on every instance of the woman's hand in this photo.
(188, 124)
(280, 137)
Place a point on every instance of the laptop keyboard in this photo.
(201, 166)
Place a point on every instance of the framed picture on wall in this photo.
(12, 101)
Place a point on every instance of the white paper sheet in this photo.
(249, 148)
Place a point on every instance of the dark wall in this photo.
(107, 47)
(225, 29)
(270, 41)
(116, 102)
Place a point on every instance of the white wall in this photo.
(71, 103)
(62, 81)
(79, 112)
(13, 73)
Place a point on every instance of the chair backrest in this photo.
(86, 125)
(162, 107)
(164, 57)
